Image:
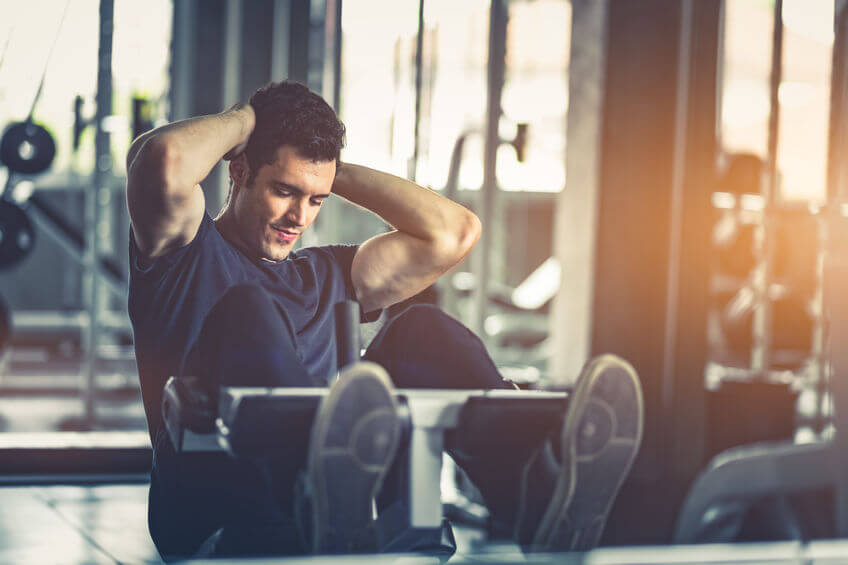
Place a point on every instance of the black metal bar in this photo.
(838, 105)
(337, 52)
(681, 115)
(774, 103)
(412, 170)
(347, 332)
(299, 40)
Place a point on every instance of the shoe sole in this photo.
(354, 439)
(600, 439)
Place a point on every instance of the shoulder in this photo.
(329, 262)
(340, 255)
(333, 264)
(140, 266)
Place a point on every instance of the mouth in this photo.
(285, 235)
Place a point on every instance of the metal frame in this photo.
(280, 39)
(761, 354)
(412, 171)
(481, 265)
(95, 201)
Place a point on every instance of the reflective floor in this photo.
(69, 524)
(107, 524)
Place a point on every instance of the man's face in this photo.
(281, 202)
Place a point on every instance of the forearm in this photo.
(194, 146)
(406, 206)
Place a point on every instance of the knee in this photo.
(424, 319)
(420, 313)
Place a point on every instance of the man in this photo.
(229, 301)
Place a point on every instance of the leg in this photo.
(552, 497)
(245, 340)
(565, 498)
(423, 347)
(353, 442)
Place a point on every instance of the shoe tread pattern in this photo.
(600, 438)
(354, 439)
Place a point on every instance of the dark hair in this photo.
(288, 113)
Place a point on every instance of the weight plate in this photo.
(27, 148)
(17, 236)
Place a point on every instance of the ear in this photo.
(239, 170)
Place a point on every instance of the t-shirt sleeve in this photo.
(343, 255)
(153, 270)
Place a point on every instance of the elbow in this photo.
(454, 247)
(469, 234)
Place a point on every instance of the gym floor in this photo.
(106, 524)
(75, 524)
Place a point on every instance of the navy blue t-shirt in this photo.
(170, 297)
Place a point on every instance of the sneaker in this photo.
(354, 439)
(564, 502)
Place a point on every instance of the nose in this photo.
(298, 212)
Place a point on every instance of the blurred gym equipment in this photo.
(27, 148)
(97, 334)
(5, 334)
(754, 488)
(17, 235)
(726, 494)
(517, 326)
(480, 267)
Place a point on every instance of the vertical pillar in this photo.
(576, 208)
(761, 352)
(182, 51)
(256, 45)
(482, 258)
(332, 76)
(632, 226)
(95, 199)
(683, 395)
(299, 20)
(836, 262)
(836, 307)
(197, 73)
(230, 84)
(280, 40)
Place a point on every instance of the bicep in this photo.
(391, 267)
(162, 219)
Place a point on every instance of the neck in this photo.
(226, 224)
